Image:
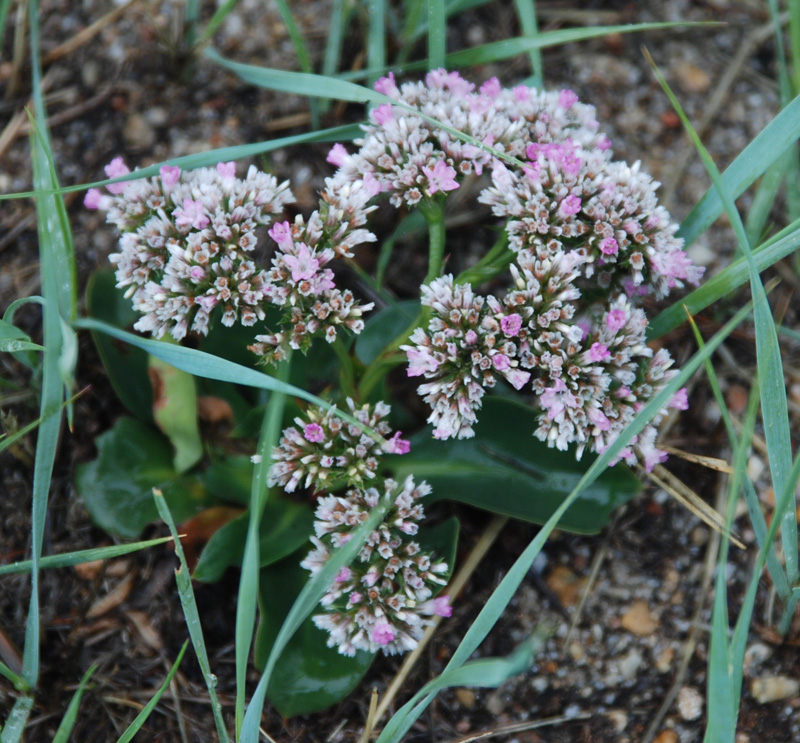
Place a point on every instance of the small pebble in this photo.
(754, 656)
(690, 703)
(638, 619)
(496, 703)
(692, 79)
(138, 133)
(466, 698)
(565, 584)
(774, 688)
(664, 660)
(666, 736)
(618, 719)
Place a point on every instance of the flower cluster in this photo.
(186, 240)
(589, 239)
(186, 244)
(325, 452)
(385, 598)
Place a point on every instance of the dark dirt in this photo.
(127, 91)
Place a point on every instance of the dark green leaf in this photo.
(383, 327)
(285, 526)
(506, 470)
(125, 365)
(229, 479)
(443, 540)
(132, 459)
(309, 676)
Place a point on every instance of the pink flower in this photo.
(570, 205)
(372, 185)
(440, 606)
(522, 93)
(96, 199)
(386, 85)
(599, 352)
(191, 215)
(604, 143)
(396, 445)
(303, 265)
(517, 378)
(567, 98)
(313, 433)
(680, 400)
(338, 155)
(281, 233)
(441, 177)
(609, 246)
(599, 419)
(501, 362)
(344, 575)
(383, 114)
(356, 597)
(115, 169)
(383, 633)
(491, 88)
(227, 171)
(420, 362)
(511, 324)
(615, 320)
(470, 338)
(170, 175)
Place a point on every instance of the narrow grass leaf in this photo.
(71, 715)
(333, 44)
(251, 561)
(505, 591)
(786, 242)
(768, 147)
(437, 34)
(191, 12)
(141, 718)
(189, 605)
(526, 13)
(206, 159)
(68, 559)
(764, 198)
(306, 603)
(14, 678)
(376, 37)
(300, 50)
(775, 411)
(216, 21)
(208, 366)
(16, 721)
(498, 51)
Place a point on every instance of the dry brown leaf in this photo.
(112, 599)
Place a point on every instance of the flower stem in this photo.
(434, 216)
(346, 373)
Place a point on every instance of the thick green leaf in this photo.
(309, 676)
(285, 526)
(132, 459)
(13, 339)
(535, 479)
(125, 365)
(175, 411)
(383, 327)
(229, 479)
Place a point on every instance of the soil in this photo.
(638, 594)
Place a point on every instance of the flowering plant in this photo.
(552, 314)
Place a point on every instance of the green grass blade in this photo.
(775, 411)
(141, 718)
(767, 147)
(306, 603)
(765, 198)
(336, 32)
(189, 605)
(437, 34)
(526, 13)
(68, 721)
(17, 719)
(498, 51)
(376, 37)
(301, 51)
(786, 242)
(249, 581)
(191, 12)
(206, 159)
(79, 557)
(794, 43)
(14, 678)
(504, 592)
(57, 269)
(216, 21)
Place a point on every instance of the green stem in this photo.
(434, 216)
(346, 373)
(248, 584)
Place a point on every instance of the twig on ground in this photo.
(520, 727)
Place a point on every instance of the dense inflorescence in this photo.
(385, 598)
(589, 240)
